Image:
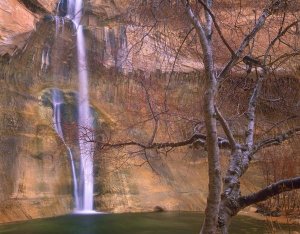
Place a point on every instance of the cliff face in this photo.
(35, 169)
(18, 20)
(32, 165)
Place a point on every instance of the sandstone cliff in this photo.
(36, 179)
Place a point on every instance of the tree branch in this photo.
(154, 115)
(270, 191)
(199, 139)
(217, 26)
(259, 24)
(252, 108)
(279, 35)
(196, 23)
(284, 57)
(226, 129)
(173, 67)
(208, 18)
(277, 140)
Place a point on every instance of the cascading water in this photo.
(83, 179)
(122, 55)
(57, 101)
(85, 120)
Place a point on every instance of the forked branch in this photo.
(207, 9)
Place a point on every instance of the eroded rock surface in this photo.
(18, 21)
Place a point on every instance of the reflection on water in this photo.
(145, 223)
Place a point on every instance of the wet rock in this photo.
(252, 209)
(158, 209)
(48, 18)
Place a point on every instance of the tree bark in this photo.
(231, 205)
(214, 168)
(231, 191)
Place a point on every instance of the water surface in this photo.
(137, 223)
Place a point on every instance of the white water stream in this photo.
(85, 120)
(57, 101)
(83, 179)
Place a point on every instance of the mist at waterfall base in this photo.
(83, 179)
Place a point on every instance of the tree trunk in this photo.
(225, 215)
(214, 191)
(229, 205)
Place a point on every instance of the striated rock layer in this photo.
(36, 175)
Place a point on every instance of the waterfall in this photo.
(59, 24)
(45, 58)
(85, 120)
(83, 179)
(123, 49)
(57, 101)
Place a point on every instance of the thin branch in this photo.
(280, 123)
(270, 191)
(226, 129)
(141, 41)
(277, 140)
(205, 41)
(258, 26)
(154, 115)
(173, 66)
(279, 35)
(285, 56)
(197, 24)
(180, 47)
(149, 163)
(217, 26)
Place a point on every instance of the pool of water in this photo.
(133, 223)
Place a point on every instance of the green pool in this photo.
(139, 223)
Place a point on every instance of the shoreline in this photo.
(280, 219)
